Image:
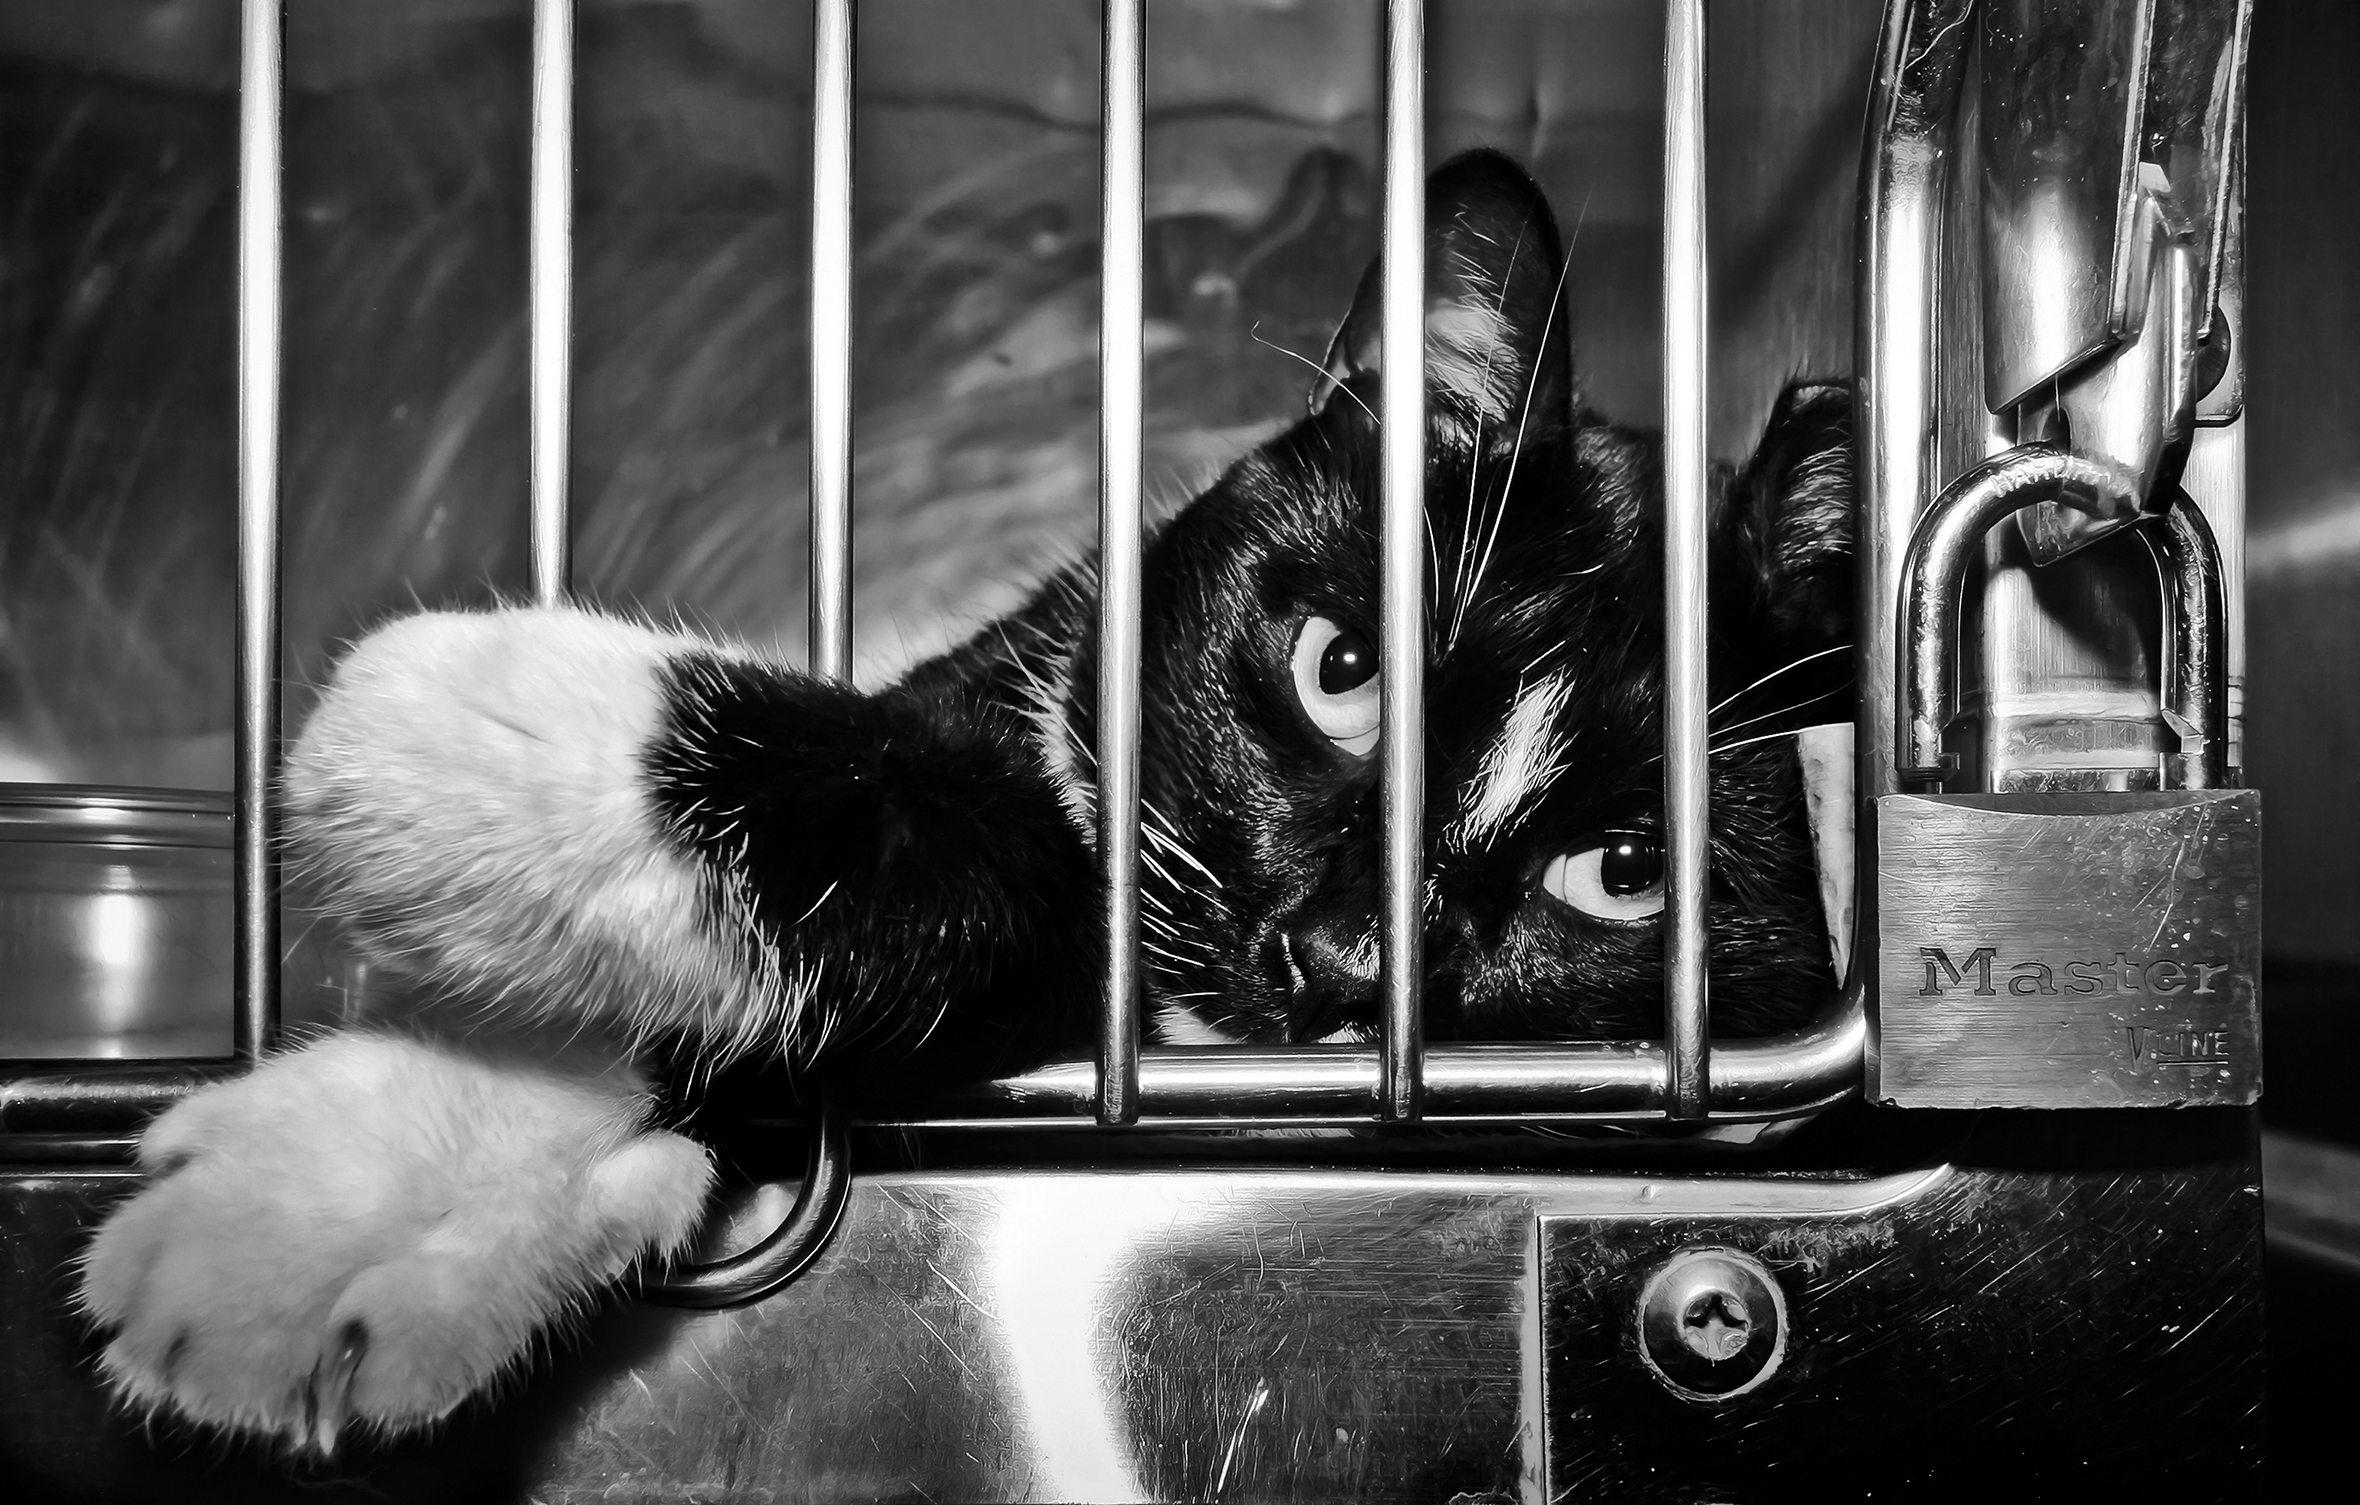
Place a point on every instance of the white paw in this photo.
(366, 1232)
(471, 793)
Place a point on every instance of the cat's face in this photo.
(1261, 890)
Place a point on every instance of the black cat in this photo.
(633, 839)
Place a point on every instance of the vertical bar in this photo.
(550, 296)
(255, 1017)
(1687, 847)
(1402, 616)
(1121, 399)
(831, 338)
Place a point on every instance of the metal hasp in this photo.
(2064, 949)
(2108, 140)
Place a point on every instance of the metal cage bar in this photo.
(255, 1005)
(1687, 835)
(1399, 1079)
(550, 295)
(1121, 416)
(832, 42)
(1402, 506)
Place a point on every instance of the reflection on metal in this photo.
(1589, 1081)
(1122, 398)
(550, 295)
(1873, 1391)
(2195, 696)
(2060, 949)
(1686, 468)
(782, 1254)
(2134, 411)
(2110, 130)
(2214, 482)
(2063, 85)
(2070, 950)
(255, 1020)
(115, 924)
(1907, 183)
(1401, 627)
(2144, 204)
(2313, 1212)
(2193, 125)
(95, 1101)
(1163, 1333)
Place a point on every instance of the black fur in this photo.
(911, 849)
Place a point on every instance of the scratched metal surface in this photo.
(2069, 951)
(2065, 1302)
(2070, 1311)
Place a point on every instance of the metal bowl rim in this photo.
(114, 816)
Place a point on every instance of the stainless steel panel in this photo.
(2018, 1316)
(2009, 1329)
(2069, 951)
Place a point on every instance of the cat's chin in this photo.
(1180, 1026)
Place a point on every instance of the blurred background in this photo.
(405, 418)
(977, 203)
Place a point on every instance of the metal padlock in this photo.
(2069, 949)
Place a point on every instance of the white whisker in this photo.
(1773, 674)
(1325, 376)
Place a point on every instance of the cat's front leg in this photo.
(472, 795)
(365, 1232)
(560, 816)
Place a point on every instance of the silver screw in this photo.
(1711, 1323)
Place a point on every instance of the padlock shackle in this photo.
(2195, 675)
(1933, 579)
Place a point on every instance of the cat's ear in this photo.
(1790, 515)
(1498, 351)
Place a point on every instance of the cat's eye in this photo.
(1335, 672)
(1620, 879)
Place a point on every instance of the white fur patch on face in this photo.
(1045, 701)
(1826, 755)
(472, 791)
(1524, 760)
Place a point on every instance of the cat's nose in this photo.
(1334, 973)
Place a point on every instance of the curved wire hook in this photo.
(754, 1273)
